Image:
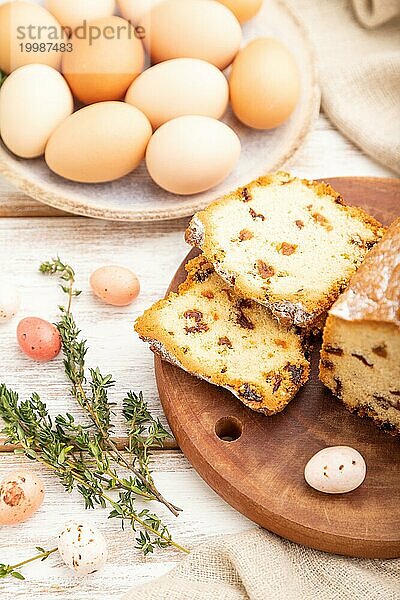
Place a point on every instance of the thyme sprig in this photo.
(144, 432)
(75, 455)
(65, 273)
(82, 454)
(13, 570)
(97, 404)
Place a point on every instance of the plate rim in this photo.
(11, 165)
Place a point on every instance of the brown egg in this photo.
(101, 142)
(264, 84)
(21, 494)
(27, 24)
(115, 285)
(73, 13)
(134, 10)
(38, 339)
(202, 29)
(103, 63)
(243, 9)
(185, 86)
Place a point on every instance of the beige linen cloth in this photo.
(360, 76)
(357, 45)
(258, 565)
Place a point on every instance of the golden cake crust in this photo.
(361, 343)
(374, 291)
(210, 332)
(294, 305)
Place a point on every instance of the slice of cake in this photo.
(290, 244)
(360, 358)
(207, 330)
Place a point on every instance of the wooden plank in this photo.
(327, 153)
(120, 442)
(203, 516)
(113, 346)
(14, 203)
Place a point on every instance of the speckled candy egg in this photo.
(82, 548)
(115, 285)
(9, 301)
(38, 339)
(21, 494)
(335, 470)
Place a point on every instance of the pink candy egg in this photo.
(115, 285)
(21, 494)
(38, 339)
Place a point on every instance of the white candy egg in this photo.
(82, 548)
(335, 470)
(9, 300)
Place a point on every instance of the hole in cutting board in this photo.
(228, 429)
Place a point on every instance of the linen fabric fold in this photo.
(357, 45)
(258, 565)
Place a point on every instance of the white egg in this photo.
(34, 100)
(336, 470)
(192, 154)
(82, 548)
(10, 300)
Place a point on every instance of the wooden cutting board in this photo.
(256, 463)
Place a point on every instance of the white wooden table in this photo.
(33, 233)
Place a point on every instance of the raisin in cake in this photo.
(290, 244)
(209, 331)
(360, 358)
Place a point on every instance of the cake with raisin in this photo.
(360, 357)
(209, 331)
(287, 243)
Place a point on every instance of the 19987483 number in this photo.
(45, 47)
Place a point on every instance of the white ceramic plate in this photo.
(136, 198)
